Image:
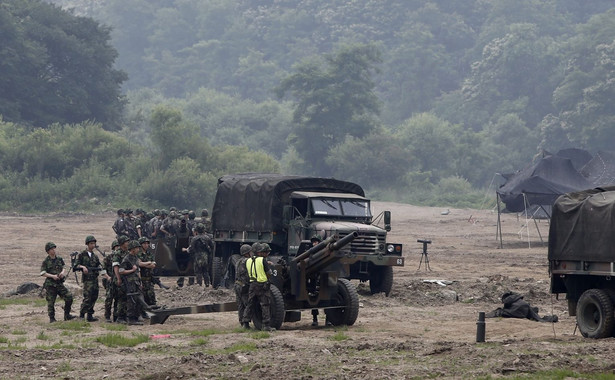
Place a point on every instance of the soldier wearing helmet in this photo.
(53, 271)
(120, 292)
(259, 273)
(109, 283)
(89, 265)
(147, 264)
(201, 248)
(242, 283)
(206, 220)
(129, 270)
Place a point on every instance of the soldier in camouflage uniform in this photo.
(131, 227)
(201, 247)
(191, 221)
(90, 267)
(129, 270)
(259, 272)
(120, 293)
(110, 283)
(119, 227)
(206, 220)
(53, 271)
(147, 266)
(242, 283)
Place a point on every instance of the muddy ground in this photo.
(422, 330)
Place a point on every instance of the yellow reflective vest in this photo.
(256, 269)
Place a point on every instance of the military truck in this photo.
(286, 211)
(582, 258)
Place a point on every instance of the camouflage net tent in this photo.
(263, 198)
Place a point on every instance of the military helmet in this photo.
(172, 208)
(164, 212)
(191, 215)
(205, 213)
(265, 248)
(200, 227)
(143, 240)
(149, 215)
(316, 237)
(122, 239)
(134, 244)
(128, 211)
(49, 246)
(156, 212)
(245, 249)
(173, 214)
(114, 244)
(256, 247)
(90, 239)
(120, 211)
(185, 211)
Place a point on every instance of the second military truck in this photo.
(287, 211)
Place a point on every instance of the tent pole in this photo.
(498, 229)
(527, 226)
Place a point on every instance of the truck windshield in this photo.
(341, 207)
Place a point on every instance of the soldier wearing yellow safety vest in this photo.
(259, 272)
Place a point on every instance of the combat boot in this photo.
(135, 322)
(121, 320)
(180, 282)
(91, 318)
(246, 325)
(52, 319)
(68, 316)
(191, 280)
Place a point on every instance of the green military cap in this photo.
(134, 244)
(89, 239)
(115, 244)
(143, 240)
(245, 249)
(316, 237)
(122, 239)
(49, 246)
(265, 248)
(256, 247)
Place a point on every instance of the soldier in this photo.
(110, 284)
(53, 271)
(129, 270)
(119, 227)
(120, 294)
(191, 221)
(201, 247)
(259, 272)
(89, 265)
(315, 240)
(170, 225)
(130, 223)
(242, 283)
(206, 220)
(147, 266)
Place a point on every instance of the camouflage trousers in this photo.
(259, 292)
(90, 295)
(55, 290)
(148, 291)
(241, 297)
(109, 298)
(201, 270)
(120, 302)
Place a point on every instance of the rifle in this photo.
(73, 260)
(101, 252)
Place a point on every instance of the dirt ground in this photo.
(423, 329)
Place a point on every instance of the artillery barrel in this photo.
(327, 255)
(318, 247)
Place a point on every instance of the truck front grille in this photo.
(367, 243)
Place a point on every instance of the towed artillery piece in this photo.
(310, 280)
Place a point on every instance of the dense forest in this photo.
(147, 102)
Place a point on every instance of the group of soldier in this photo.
(127, 276)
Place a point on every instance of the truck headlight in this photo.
(390, 248)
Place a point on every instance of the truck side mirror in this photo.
(286, 214)
(387, 221)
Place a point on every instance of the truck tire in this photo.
(276, 308)
(381, 280)
(217, 272)
(348, 298)
(595, 314)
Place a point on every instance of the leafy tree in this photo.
(56, 67)
(333, 99)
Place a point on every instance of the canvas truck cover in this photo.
(255, 202)
(583, 226)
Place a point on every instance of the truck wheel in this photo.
(276, 308)
(348, 298)
(381, 280)
(595, 314)
(217, 269)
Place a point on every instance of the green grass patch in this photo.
(42, 336)
(19, 332)
(4, 339)
(72, 326)
(339, 336)
(118, 340)
(22, 301)
(260, 335)
(21, 339)
(199, 342)
(115, 327)
(64, 367)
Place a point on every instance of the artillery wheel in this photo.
(276, 308)
(348, 298)
(595, 314)
(217, 271)
(381, 280)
